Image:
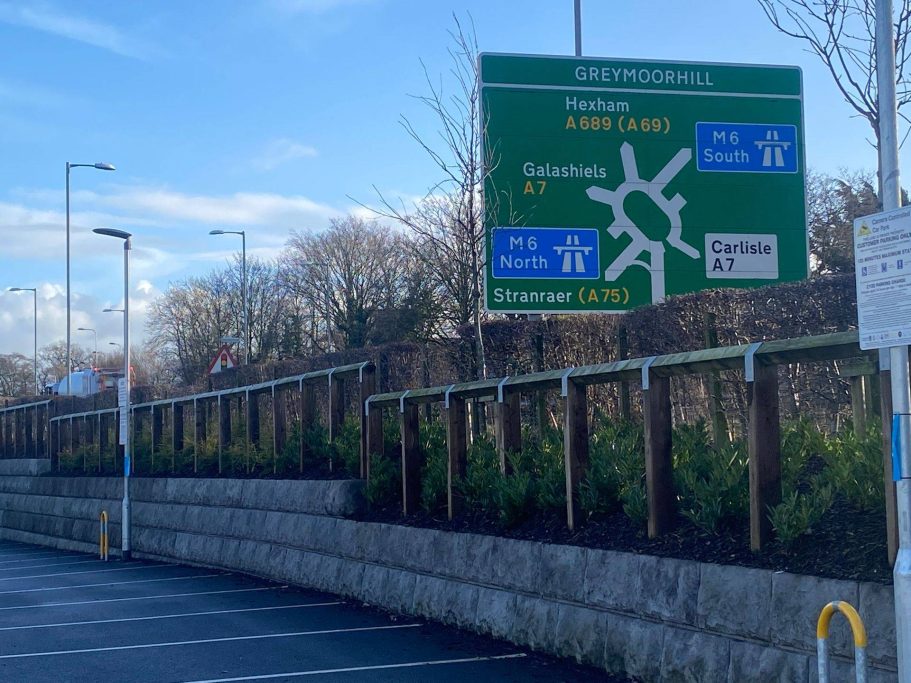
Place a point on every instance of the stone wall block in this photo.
(735, 600)
(634, 646)
(693, 657)
(517, 564)
(751, 663)
(562, 573)
(535, 624)
(796, 603)
(877, 609)
(496, 612)
(668, 589)
(580, 634)
(612, 579)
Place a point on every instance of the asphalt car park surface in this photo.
(67, 616)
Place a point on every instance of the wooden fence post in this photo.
(368, 388)
(457, 447)
(659, 476)
(279, 426)
(157, 429)
(411, 458)
(224, 428)
(764, 452)
(713, 386)
(41, 417)
(199, 414)
(336, 406)
(374, 435)
(102, 438)
(508, 427)
(29, 439)
(252, 422)
(177, 441)
(885, 402)
(626, 410)
(308, 415)
(575, 446)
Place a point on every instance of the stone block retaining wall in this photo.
(656, 618)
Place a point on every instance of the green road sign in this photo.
(615, 183)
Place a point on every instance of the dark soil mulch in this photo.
(846, 544)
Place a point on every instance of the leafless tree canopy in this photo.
(448, 224)
(363, 280)
(842, 33)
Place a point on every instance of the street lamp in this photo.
(243, 261)
(101, 166)
(95, 336)
(34, 291)
(325, 266)
(112, 310)
(125, 394)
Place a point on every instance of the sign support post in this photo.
(901, 390)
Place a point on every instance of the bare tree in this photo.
(842, 33)
(52, 361)
(188, 320)
(448, 223)
(16, 375)
(353, 276)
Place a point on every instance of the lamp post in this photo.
(325, 266)
(34, 291)
(101, 166)
(243, 262)
(125, 394)
(95, 337)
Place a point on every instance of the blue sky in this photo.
(269, 115)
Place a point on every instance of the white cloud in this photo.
(282, 151)
(145, 287)
(46, 18)
(238, 209)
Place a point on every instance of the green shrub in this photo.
(797, 513)
(514, 494)
(383, 487)
(616, 471)
(712, 485)
(543, 462)
(854, 467)
(346, 449)
(435, 472)
(478, 487)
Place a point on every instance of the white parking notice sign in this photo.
(122, 401)
(882, 265)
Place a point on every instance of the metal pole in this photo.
(901, 390)
(328, 309)
(578, 17)
(69, 360)
(35, 330)
(125, 520)
(243, 242)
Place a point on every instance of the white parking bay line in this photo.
(206, 641)
(41, 566)
(106, 584)
(39, 556)
(144, 597)
(350, 669)
(171, 616)
(87, 571)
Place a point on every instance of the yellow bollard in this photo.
(103, 536)
(822, 637)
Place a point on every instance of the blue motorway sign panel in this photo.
(746, 148)
(545, 253)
